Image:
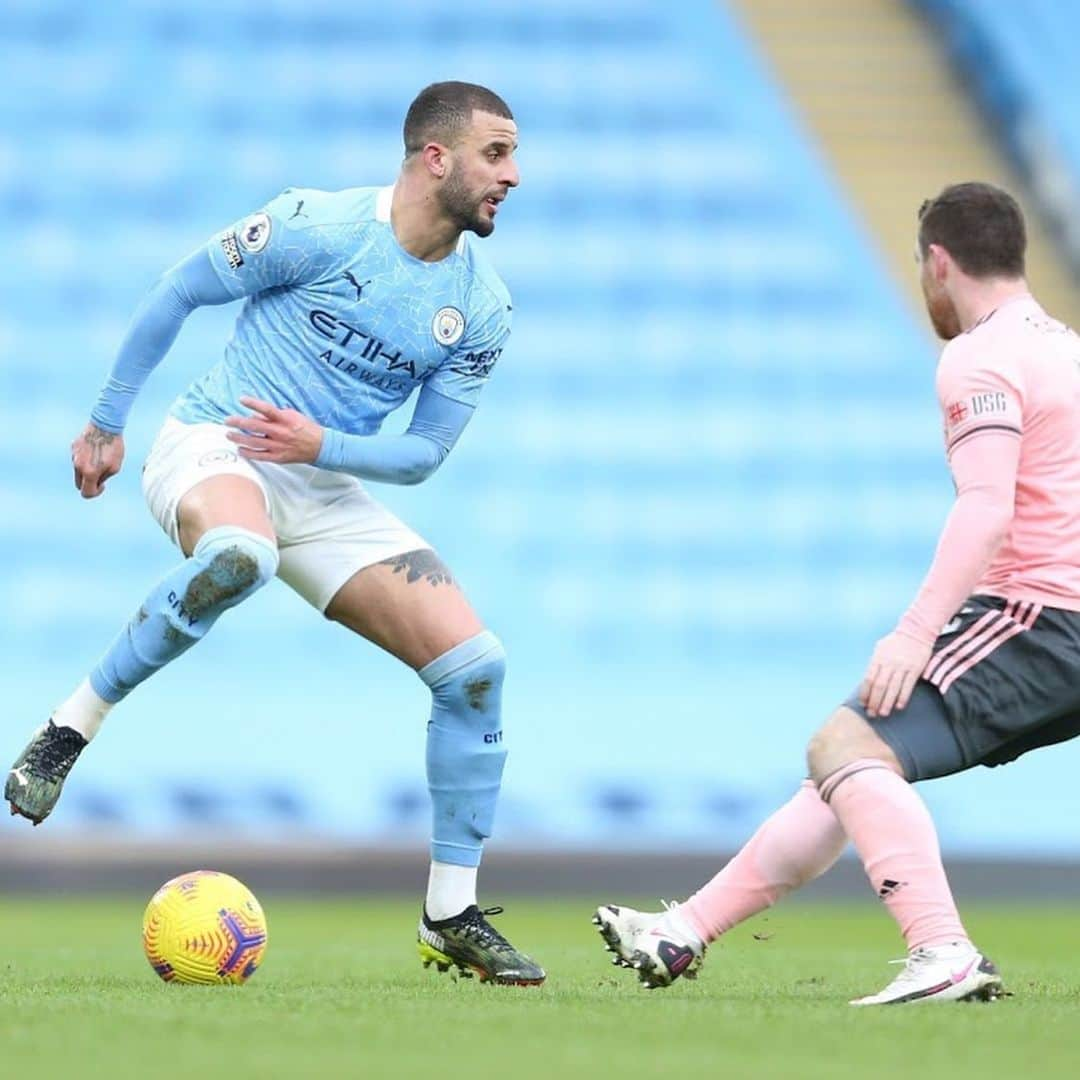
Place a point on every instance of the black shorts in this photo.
(1004, 679)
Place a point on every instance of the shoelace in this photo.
(671, 905)
(482, 932)
(911, 964)
(51, 758)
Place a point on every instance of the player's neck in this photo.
(419, 223)
(985, 297)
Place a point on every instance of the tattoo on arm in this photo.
(96, 439)
(420, 564)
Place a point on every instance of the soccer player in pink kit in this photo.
(982, 667)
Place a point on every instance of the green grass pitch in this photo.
(342, 995)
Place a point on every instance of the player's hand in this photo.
(283, 436)
(96, 455)
(894, 669)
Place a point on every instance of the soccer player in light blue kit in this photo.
(354, 299)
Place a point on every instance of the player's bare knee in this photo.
(845, 737)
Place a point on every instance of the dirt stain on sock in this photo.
(476, 692)
(230, 572)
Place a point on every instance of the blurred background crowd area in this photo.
(707, 473)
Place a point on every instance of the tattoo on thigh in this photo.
(421, 564)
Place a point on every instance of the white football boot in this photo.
(659, 945)
(955, 972)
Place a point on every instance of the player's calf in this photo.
(465, 758)
(465, 748)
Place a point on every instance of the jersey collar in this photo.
(383, 202)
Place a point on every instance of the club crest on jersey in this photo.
(448, 326)
(254, 232)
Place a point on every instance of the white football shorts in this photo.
(328, 527)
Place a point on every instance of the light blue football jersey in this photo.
(341, 323)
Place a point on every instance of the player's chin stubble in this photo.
(462, 207)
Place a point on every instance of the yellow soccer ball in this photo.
(204, 927)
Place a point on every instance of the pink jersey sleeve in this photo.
(976, 398)
(983, 423)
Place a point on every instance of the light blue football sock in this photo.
(465, 754)
(227, 566)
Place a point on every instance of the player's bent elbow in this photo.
(416, 472)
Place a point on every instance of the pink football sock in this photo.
(895, 837)
(797, 844)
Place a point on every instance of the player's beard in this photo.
(463, 207)
(942, 312)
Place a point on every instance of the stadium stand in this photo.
(706, 473)
(872, 82)
(1019, 61)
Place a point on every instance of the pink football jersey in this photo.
(1017, 372)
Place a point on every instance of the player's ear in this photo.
(939, 262)
(436, 159)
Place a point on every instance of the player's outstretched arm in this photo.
(98, 452)
(190, 284)
(286, 436)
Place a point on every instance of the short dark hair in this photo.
(979, 225)
(443, 110)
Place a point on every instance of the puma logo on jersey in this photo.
(359, 286)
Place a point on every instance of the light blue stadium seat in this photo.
(1021, 61)
(681, 455)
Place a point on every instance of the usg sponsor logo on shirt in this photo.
(985, 404)
(993, 401)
